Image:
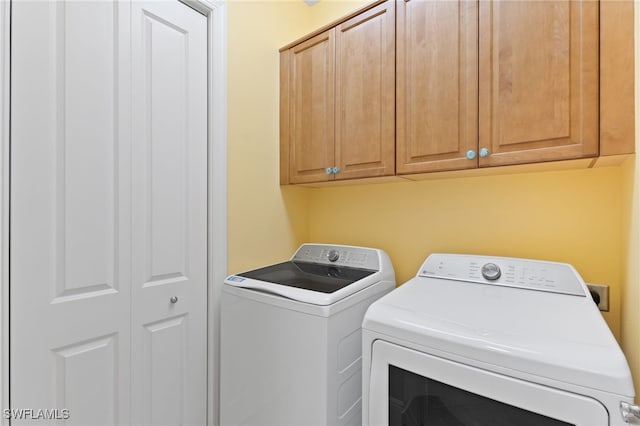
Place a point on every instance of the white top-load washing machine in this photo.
(492, 341)
(291, 340)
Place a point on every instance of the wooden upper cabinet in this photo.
(538, 81)
(617, 78)
(311, 108)
(337, 100)
(416, 86)
(437, 85)
(365, 94)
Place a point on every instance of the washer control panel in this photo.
(537, 275)
(355, 257)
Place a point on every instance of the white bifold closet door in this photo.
(169, 340)
(108, 212)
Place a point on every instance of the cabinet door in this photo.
(538, 80)
(365, 80)
(311, 116)
(437, 85)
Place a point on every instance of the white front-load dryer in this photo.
(492, 341)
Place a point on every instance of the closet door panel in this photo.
(70, 204)
(169, 347)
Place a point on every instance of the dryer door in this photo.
(413, 388)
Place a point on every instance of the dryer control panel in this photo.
(537, 275)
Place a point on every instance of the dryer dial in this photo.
(333, 255)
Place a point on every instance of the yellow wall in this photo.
(327, 11)
(630, 321)
(265, 223)
(630, 318)
(568, 216)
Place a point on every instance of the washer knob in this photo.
(491, 271)
(333, 255)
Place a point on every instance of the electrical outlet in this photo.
(600, 294)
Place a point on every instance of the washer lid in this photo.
(319, 274)
(308, 276)
(544, 333)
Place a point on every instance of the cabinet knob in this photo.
(336, 169)
(329, 170)
(174, 299)
(484, 152)
(471, 154)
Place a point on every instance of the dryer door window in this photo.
(415, 400)
(407, 387)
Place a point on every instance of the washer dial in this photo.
(491, 271)
(333, 255)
